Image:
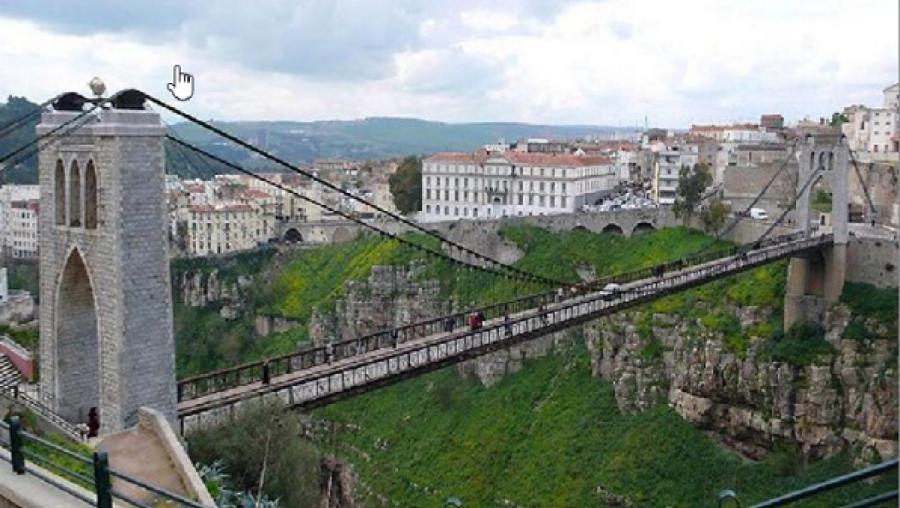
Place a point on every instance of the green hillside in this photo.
(313, 278)
(549, 435)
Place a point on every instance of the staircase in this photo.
(9, 374)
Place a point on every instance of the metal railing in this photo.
(729, 498)
(263, 370)
(92, 473)
(321, 385)
(35, 405)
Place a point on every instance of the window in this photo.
(427, 193)
(552, 201)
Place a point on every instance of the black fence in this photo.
(92, 473)
(729, 498)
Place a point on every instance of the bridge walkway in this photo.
(329, 381)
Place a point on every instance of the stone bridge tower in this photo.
(817, 279)
(106, 303)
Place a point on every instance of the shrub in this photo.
(801, 345)
(262, 435)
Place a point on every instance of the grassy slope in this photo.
(314, 278)
(549, 435)
(546, 436)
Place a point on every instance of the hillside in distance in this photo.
(305, 142)
(382, 137)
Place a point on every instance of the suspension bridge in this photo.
(103, 222)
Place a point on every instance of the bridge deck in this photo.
(327, 382)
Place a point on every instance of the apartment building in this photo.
(221, 228)
(874, 131)
(19, 220)
(667, 167)
(484, 184)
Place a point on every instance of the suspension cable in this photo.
(861, 182)
(47, 134)
(15, 123)
(206, 125)
(47, 142)
(740, 216)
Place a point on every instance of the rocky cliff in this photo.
(845, 399)
(206, 288)
(391, 296)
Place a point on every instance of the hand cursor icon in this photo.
(182, 85)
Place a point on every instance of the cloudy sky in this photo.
(607, 62)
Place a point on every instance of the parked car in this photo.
(758, 214)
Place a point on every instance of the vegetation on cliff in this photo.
(294, 284)
(549, 435)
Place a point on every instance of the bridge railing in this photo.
(92, 473)
(319, 385)
(729, 498)
(34, 404)
(262, 371)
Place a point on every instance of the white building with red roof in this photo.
(482, 184)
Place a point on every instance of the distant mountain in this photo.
(380, 137)
(304, 142)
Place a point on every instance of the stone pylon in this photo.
(106, 303)
(817, 279)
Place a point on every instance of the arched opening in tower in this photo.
(90, 196)
(820, 203)
(74, 195)
(59, 193)
(77, 342)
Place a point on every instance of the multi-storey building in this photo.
(22, 228)
(18, 220)
(874, 131)
(483, 184)
(221, 228)
(667, 168)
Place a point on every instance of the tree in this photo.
(406, 185)
(837, 119)
(263, 437)
(691, 184)
(25, 171)
(714, 215)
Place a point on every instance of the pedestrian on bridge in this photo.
(507, 325)
(266, 375)
(394, 336)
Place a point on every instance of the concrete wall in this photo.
(873, 261)
(626, 220)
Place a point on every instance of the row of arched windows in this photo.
(76, 195)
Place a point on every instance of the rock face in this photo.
(338, 484)
(201, 289)
(846, 400)
(391, 296)
(491, 367)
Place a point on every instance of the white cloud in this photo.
(609, 62)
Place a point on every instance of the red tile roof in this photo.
(523, 158)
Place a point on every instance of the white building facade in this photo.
(19, 212)
(874, 131)
(491, 185)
